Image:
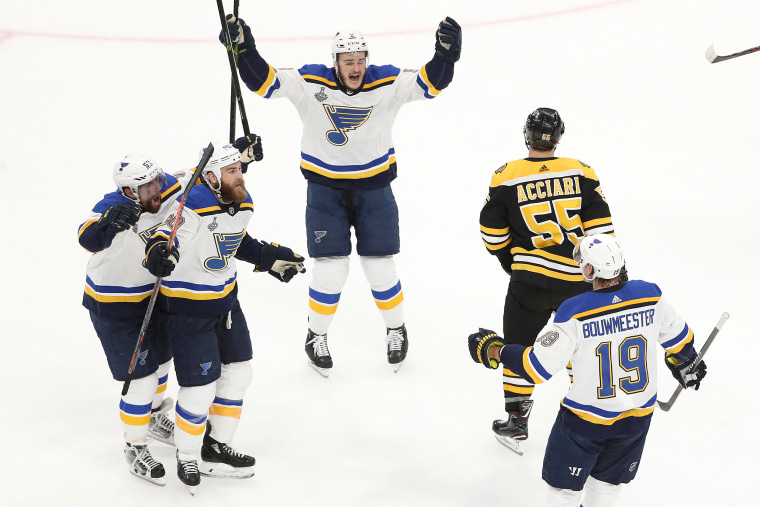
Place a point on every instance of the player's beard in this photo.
(234, 192)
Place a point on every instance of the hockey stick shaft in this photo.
(668, 404)
(233, 96)
(233, 69)
(157, 286)
(713, 57)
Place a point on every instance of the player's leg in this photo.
(161, 425)
(117, 336)
(220, 459)
(376, 223)
(328, 239)
(198, 366)
(597, 493)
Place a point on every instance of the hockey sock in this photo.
(386, 288)
(329, 274)
(135, 408)
(227, 407)
(163, 378)
(191, 413)
(557, 497)
(600, 494)
(516, 389)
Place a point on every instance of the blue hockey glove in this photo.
(686, 373)
(245, 41)
(480, 342)
(448, 40)
(119, 218)
(158, 262)
(280, 262)
(250, 150)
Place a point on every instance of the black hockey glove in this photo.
(687, 373)
(119, 218)
(479, 344)
(158, 262)
(250, 150)
(280, 262)
(448, 40)
(245, 41)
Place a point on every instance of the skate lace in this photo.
(395, 339)
(189, 467)
(232, 452)
(144, 457)
(162, 423)
(319, 342)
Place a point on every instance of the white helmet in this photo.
(348, 42)
(603, 252)
(224, 155)
(136, 170)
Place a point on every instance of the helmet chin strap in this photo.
(135, 199)
(217, 191)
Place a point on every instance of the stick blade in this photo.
(711, 54)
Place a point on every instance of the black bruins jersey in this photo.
(537, 209)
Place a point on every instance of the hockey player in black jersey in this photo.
(538, 208)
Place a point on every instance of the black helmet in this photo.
(543, 129)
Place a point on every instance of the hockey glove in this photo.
(479, 344)
(448, 40)
(250, 150)
(119, 218)
(687, 373)
(244, 40)
(158, 262)
(280, 262)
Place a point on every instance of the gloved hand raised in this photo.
(280, 262)
(681, 371)
(158, 262)
(250, 150)
(244, 40)
(448, 40)
(119, 217)
(480, 342)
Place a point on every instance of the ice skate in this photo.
(187, 471)
(319, 354)
(221, 460)
(512, 431)
(142, 464)
(398, 344)
(161, 427)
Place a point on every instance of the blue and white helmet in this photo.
(603, 252)
(133, 171)
(348, 42)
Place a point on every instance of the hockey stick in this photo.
(233, 69)
(713, 57)
(233, 96)
(668, 404)
(154, 295)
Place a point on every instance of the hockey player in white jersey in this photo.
(348, 159)
(609, 337)
(207, 328)
(117, 290)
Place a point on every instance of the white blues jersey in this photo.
(609, 336)
(204, 281)
(117, 285)
(346, 140)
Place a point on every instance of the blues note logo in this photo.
(226, 246)
(205, 367)
(344, 119)
(143, 355)
(319, 235)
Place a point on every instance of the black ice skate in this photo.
(161, 427)
(319, 354)
(221, 460)
(510, 432)
(142, 464)
(398, 344)
(187, 471)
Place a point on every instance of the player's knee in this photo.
(558, 496)
(600, 494)
(141, 390)
(196, 399)
(380, 271)
(329, 274)
(235, 379)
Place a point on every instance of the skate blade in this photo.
(158, 481)
(223, 471)
(511, 444)
(322, 371)
(167, 441)
(190, 489)
(397, 366)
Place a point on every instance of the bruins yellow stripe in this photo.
(115, 299)
(132, 420)
(547, 272)
(510, 373)
(391, 303)
(615, 306)
(348, 176)
(546, 255)
(190, 428)
(322, 309)
(636, 412)
(598, 221)
(226, 411)
(498, 246)
(178, 293)
(267, 83)
(494, 232)
(518, 390)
